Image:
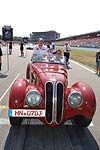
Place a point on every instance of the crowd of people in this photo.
(92, 42)
(42, 49)
(10, 50)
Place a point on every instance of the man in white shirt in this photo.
(67, 50)
(39, 49)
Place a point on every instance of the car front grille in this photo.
(54, 101)
(49, 103)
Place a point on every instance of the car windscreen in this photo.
(48, 59)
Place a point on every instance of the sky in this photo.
(67, 17)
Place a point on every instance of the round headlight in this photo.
(33, 98)
(75, 99)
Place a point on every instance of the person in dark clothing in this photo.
(22, 48)
(0, 55)
(48, 47)
(98, 63)
(10, 47)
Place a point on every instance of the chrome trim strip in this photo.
(45, 101)
(62, 102)
(54, 102)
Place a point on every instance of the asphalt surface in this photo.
(34, 136)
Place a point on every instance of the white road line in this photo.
(91, 124)
(82, 66)
(8, 88)
(4, 121)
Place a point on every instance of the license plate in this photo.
(26, 113)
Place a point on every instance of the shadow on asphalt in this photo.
(22, 56)
(3, 75)
(40, 137)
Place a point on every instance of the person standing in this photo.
(48, 46)
(40, 49)
(67, 50)
(0, 55)
(51, 47)
(22, 48)
(98, 63)
(10, 47)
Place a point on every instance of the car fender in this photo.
(89, 99)
(17, 93)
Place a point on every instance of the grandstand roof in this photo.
(85, 35)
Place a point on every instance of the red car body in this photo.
(57, 99)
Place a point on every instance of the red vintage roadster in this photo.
(45, 95)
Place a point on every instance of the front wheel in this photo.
(15, 121)
(81, 121)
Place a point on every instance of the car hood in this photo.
(51, 72)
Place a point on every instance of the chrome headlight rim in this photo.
(78, 105)
(37, 103)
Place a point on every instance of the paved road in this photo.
(40, 137)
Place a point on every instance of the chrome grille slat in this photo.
(59, 102)
(54, 101)
(49, 103)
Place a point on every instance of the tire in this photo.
(81, 121)
(15, 121)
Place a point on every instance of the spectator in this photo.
(0, 55)
(40, 49)
(48, 47)
(22, 48)
(53, 48)
(98, 63)
(10, 47)
(67, 50)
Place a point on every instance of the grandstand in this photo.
(47, 36)
(83, 40)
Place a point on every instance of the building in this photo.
(47, 36)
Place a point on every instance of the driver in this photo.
(40, 49)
